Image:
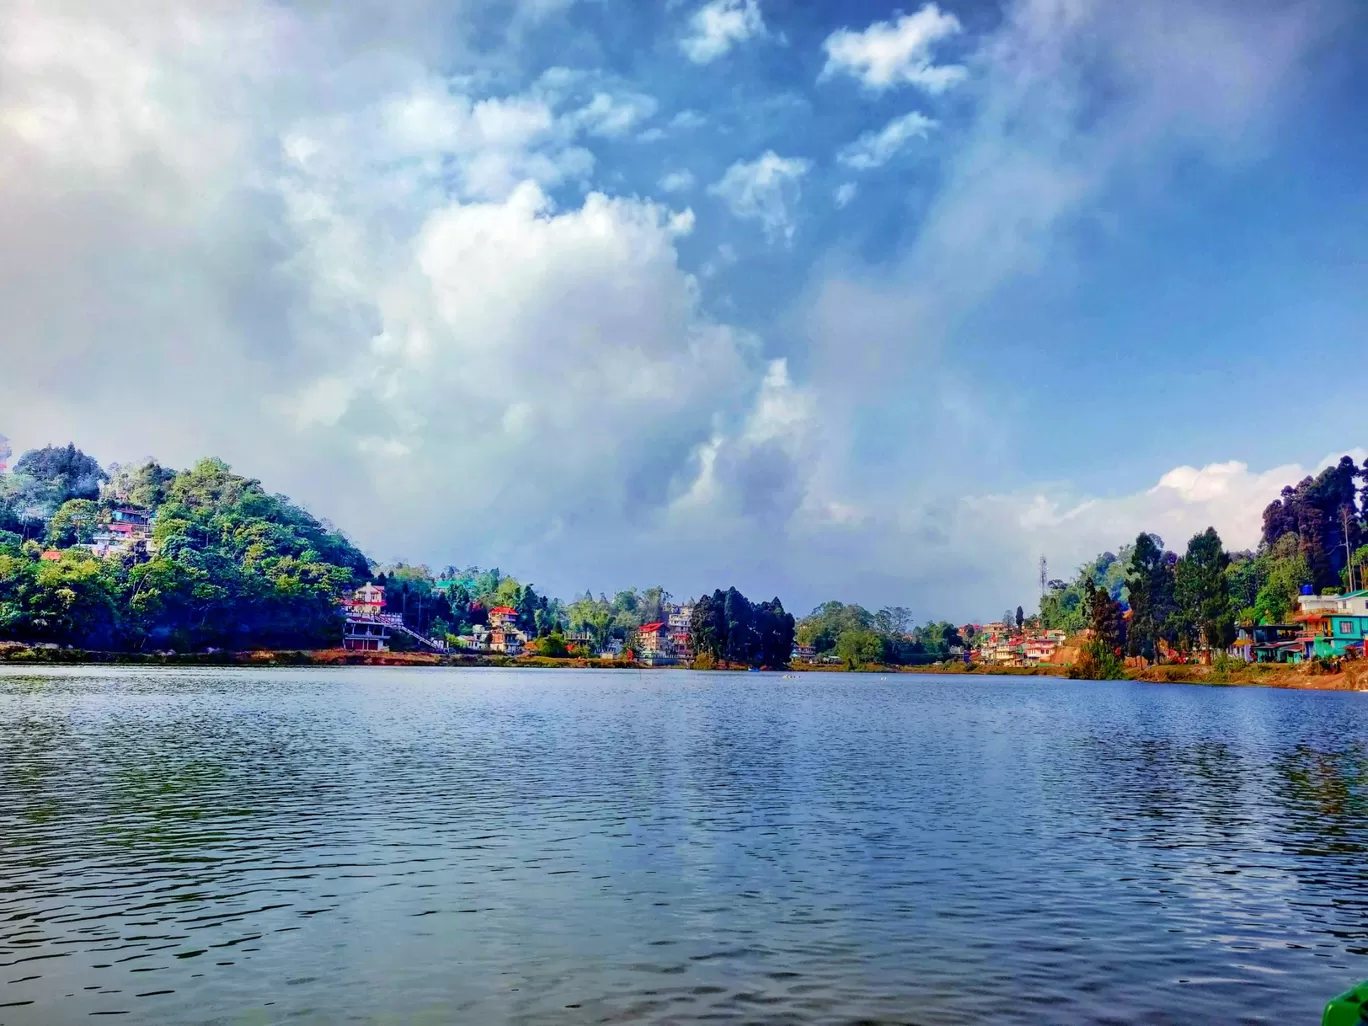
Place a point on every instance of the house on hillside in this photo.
(368, 600)
(500, 615)
(365, 634)
(679, 624)
(364, 627)
(653, 644)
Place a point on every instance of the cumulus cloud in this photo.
(340, 249)
(766, 190)
(845, 194)
(875, 149)
(888, 54)
(718, 26)
(364, 294)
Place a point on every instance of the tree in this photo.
(1105, 619)
(708, 626)
(1020, 618)
(1324, 513)
(1150, 586)
(742, 639)
(73, 524)
(776, 632)
(69, 472)
(1202, 593)
(859, 648)
(143, 486)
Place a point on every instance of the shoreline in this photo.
(1254, 675)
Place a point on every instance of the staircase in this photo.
(396, 622)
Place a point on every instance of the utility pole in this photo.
(1348, 551)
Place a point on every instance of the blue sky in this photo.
(850, 301)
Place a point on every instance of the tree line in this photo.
(1313, 536)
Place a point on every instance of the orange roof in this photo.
(52, 555)
(505, 610)
(651, 628)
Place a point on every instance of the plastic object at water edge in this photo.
(1348, 1009)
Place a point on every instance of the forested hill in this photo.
(227, 564)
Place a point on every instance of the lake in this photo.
(518, 846)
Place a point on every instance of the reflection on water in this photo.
(420, 846)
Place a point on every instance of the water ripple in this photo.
(421, 846)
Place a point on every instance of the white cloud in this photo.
(610, 115)
(366, 295)
(362, 294)
(888, 54)
(677, 181)
(688, 119)
(765, 190)
(875, 149)
(845, 194)
(718, 26)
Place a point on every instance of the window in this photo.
(1346, 626)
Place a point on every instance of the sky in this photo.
(850, 301)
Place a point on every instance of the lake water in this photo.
(488, 846)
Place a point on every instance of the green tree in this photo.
(1151, 590)
(1202, 593)
(859, 648)
(74, 523)
(70, 473)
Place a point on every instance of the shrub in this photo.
(1097, 662)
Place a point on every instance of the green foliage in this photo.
(553, 647)
(1324, 515)
(1202, 594)
(727, 626)
(1064, 606)
(1151, 589)
(1098, 661)
(143, 486)
(859, 648)
(66, 471)
(902, 642)
(825, 624)
(234, 565)
(74, 523)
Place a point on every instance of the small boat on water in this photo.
(1348, 1009)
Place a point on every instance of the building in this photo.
(653, 644)
(1270, 643)
(127, 531)
(500, 615)
(679, 624)
(802, 654)
(365, 634)
(365, 628)
(368, 600)
(506, 638)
